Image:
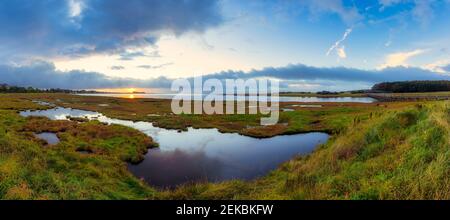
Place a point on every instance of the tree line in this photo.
(5, 88)
(412, 86)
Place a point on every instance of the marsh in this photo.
(202, 154)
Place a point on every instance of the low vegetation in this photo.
(378, 151)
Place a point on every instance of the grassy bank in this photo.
(401, 154)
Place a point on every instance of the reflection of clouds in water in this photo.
(51, 138)
(204, 144)
(60, 113)
(169, 168)
(190, 140)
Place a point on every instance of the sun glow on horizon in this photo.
(130, 90)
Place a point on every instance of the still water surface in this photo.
(51, 138)
(252, 98)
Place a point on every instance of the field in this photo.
(395, 150)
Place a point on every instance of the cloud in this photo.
(127, 56)
(80, 27)
(388, 43)
(389, 40)
(349, 75)
(145, 66)
(387, 3)
(44, 75)
(340, 50)
(76, 7)
(117, 67)
(440, 66)
(422, 10)
(349, 15)
(446, 68)
(400, 58)
(155, 67)
(320, 78)
(205, 44)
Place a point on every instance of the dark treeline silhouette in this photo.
(4, 88)
(412, 86)
(327, 93)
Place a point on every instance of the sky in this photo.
(309, 45)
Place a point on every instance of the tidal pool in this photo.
(51, 138)
(202, 154)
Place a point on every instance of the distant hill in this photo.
(412, 86)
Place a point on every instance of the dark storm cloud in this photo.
(46, 27)
(303, 72)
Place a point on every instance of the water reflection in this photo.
(170, 168)
(231, 156)
(202, 154)
(51, 138)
